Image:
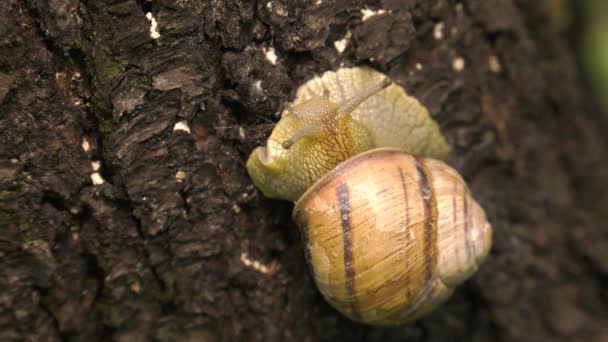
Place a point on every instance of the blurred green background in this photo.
(586, 23)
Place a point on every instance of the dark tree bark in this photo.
(176, 244)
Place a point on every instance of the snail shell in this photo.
(389, 236)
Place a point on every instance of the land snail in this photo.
(389, 230)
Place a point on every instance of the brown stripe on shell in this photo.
(305, 240)
(430, 221)
(408, 290)
(345, 218)
(383, 191)
(343, 168)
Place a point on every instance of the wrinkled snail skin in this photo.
(389, 231)
(382, 116)
(388, 236)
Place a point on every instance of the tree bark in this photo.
(127, 213)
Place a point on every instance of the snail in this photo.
(389, 229)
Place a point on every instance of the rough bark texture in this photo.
(176, 244)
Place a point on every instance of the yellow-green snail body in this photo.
(389, 231)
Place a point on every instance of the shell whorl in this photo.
(386, 250)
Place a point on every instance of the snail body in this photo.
(389, 230)
(333, 118)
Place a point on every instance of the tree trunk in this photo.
(127, 213)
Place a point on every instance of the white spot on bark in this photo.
(281, 11)
(438, 31)
(418, 66)
(97, 179)
(458, 64)
(242, 133)
(257, 85)
(258, 266)
(341, 44)
(367, 13)
(85, 145)
(494, 64)
(96, 164)
(136, 287)
(181, 126)
(271, 55)
(180, 176)
(153, 26)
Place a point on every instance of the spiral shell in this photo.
(388, 236)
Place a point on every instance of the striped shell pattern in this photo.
(389, 236)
